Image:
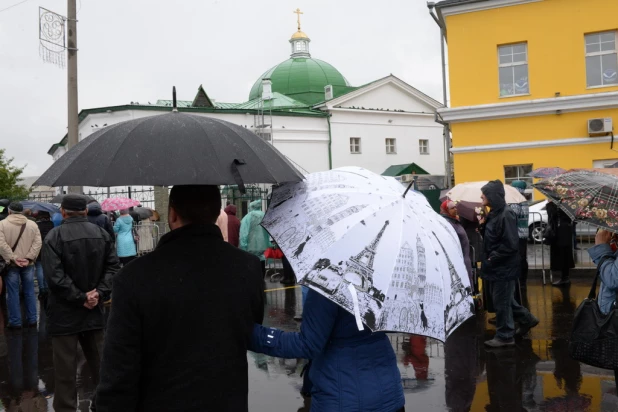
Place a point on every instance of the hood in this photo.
(256, 205)
(94, 209)
(494, 192)
(17, 219)
(231, 210)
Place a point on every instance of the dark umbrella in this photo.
(40, 207)
(171, 149)
(546, 172)
(585, 195)
(143, 212)
(58, 198)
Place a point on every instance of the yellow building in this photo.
(525, 78)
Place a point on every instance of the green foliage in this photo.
(9, 179)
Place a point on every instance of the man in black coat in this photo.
(182, 317)
(501, 266)
(79, 261)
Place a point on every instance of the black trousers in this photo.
(523, 262)
(65, 365)
(126, 260)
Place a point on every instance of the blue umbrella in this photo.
(40, 207)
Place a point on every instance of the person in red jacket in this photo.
(233, 226)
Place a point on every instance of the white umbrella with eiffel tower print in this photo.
(382, 254)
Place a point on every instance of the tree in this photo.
(9, 179)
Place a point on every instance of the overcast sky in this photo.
(136, 50)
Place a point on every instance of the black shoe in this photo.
(525, 328)
(562, 282)
(33, 325)
(13, 327)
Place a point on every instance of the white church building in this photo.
(307, 109)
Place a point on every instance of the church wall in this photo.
(373, 129)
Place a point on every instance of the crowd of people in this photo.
(204, 283)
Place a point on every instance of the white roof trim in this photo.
(480, 6)
(330, 104)
(531, 145)
(389, 112)
(536, 107)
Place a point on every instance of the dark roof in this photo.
(447, 3)
(405, 169)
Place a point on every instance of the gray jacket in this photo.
(608, 273)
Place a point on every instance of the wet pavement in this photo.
(461, 375)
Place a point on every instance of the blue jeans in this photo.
(305, 290)
(40, 276)
(13, 278)
(508, 311)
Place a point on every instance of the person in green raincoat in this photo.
(253, 237)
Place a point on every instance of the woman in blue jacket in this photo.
(351, 370)
(125, 240)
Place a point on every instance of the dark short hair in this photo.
(196, 203)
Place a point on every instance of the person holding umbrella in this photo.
(125, 241)
(501, 266)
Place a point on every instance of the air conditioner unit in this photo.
(407, 178)
(600, 126)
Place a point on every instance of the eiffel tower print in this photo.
(362, 263)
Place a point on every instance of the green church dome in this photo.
(302, 79)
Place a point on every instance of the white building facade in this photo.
(310, 113)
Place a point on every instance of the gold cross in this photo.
(298, 13)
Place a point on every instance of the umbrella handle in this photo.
(237, 176)
(409, 187)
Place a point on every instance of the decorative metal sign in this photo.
(52, 37)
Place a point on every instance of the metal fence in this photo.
(539, 255)
(146, 196)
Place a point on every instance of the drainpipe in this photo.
(330, 144)
(447, 131)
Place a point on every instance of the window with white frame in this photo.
(519, 172)
(601, 59)
(513, 69)
(355, 145)
(391, 146)
(423, 146)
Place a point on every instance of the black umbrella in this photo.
(58, 198)
(171, 149)
(143, 212)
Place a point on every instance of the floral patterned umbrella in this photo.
(118, 203)
(590, 196)
(546, 172)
